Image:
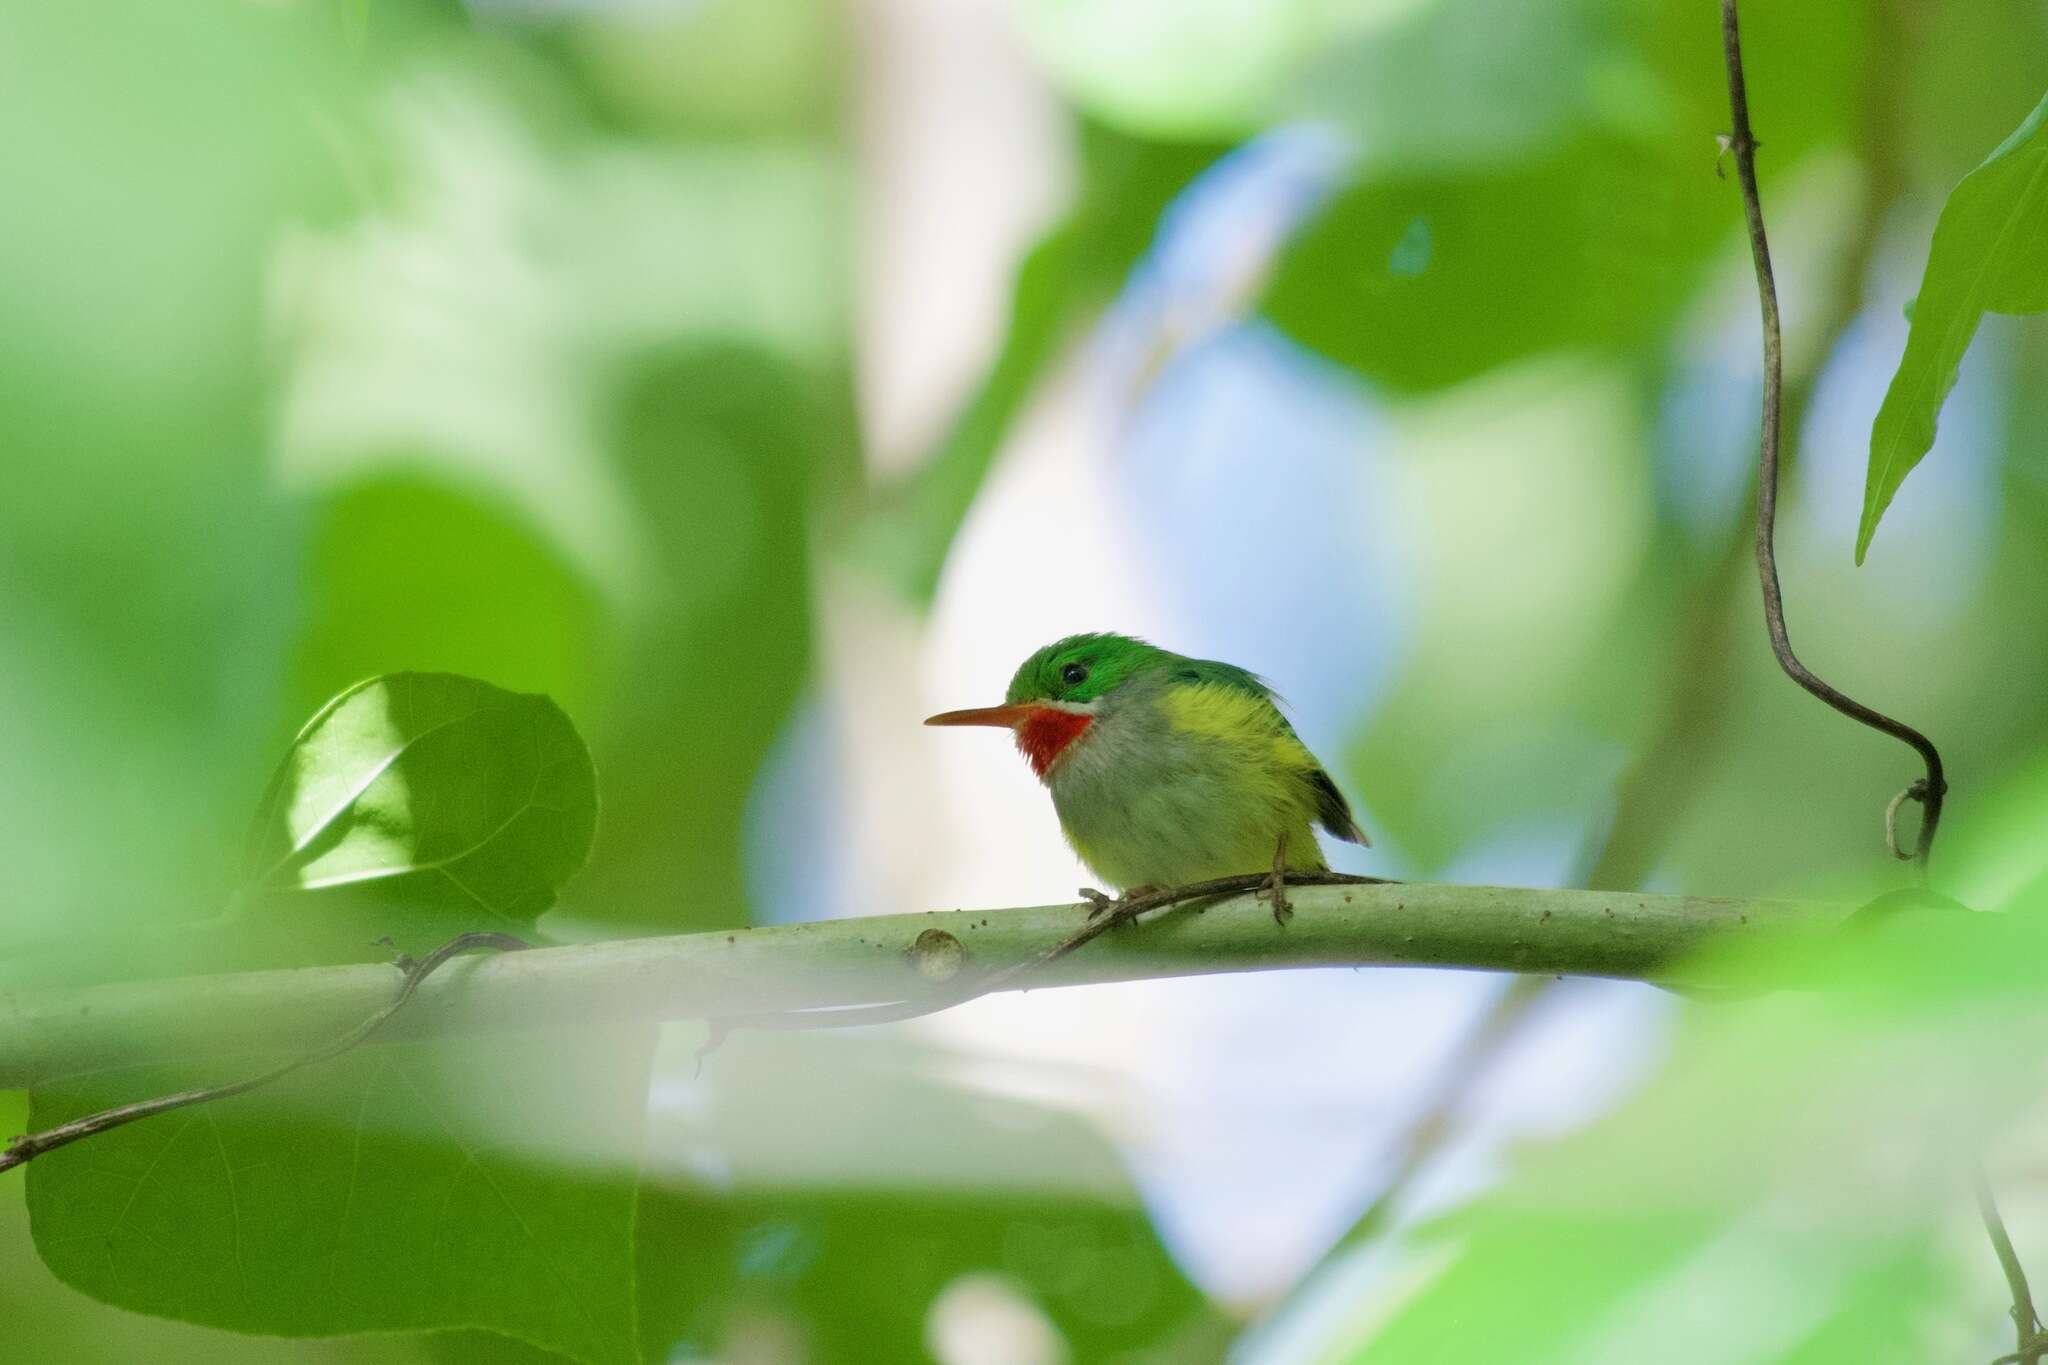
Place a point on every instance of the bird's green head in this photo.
(1081, 668)
(1052, 702)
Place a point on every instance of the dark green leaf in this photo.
(451, 1184)
(1559, 155)
(1423, 280)
(481, 799)
(1990, 254)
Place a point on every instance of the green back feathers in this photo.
(1209, 671)
(1083, 667)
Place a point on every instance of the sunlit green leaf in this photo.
(452, 1184)
(482, 798)
(1990, 254)
(763, 71)
(1175, 68)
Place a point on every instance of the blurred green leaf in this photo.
(1435, 82)
(752, 69)
(911, 527)
(1801, 1161)
(1880, 1311)
(904, 1198)
(906, 1210)
(587, 464)
(499, 384)
(1608, 238)
(50, 1323)
(481, 799)
(146, 576)
(1972, 67)
(1990, 254)
(863, 1275)
(1453, 762)
(405, 570)
(398, 1187)
(1463, 82)
(1175, 68)
(721, 450)
(1559, 158)
(1065, 281)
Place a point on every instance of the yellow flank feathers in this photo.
(1239, 719)
(1269, 766)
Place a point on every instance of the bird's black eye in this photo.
(1073, 675)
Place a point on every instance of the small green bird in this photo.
(1167, 770)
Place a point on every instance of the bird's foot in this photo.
(404, 961)
(1275, 889)
(1101, 903)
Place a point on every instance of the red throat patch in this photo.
(1046, 732)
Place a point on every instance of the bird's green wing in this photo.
(1333, 812)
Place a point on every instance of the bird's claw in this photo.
(404, 961)
(1121, 905)
(1275, 889)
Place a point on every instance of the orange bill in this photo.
(1004, 716)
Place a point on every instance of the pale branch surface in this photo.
(897, 959)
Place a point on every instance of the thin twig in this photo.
(1650, 796)
(1650, 793)
(32, 1145)
(1496, 1028)
(2033, 1342)
(1930, 790)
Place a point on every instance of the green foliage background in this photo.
(358, 338)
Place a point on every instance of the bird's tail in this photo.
(1334, 812)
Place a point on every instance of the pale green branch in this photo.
(750, 972)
